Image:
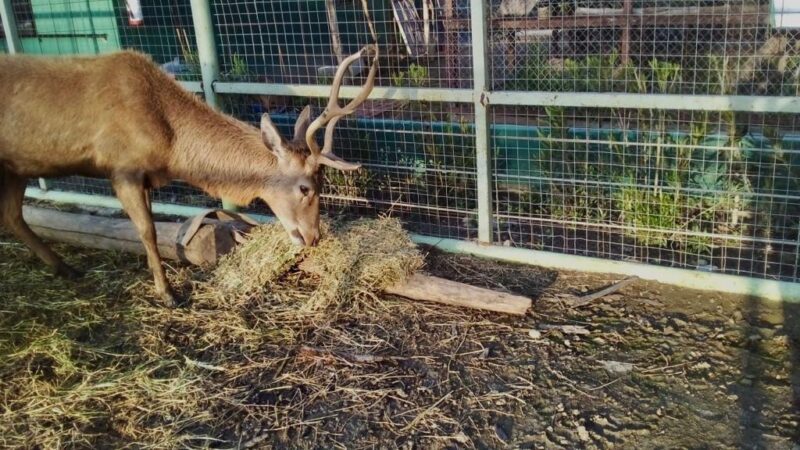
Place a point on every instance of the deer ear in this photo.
(303, 121)
(271, 137)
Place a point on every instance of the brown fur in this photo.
(119, 117)
(119, 112)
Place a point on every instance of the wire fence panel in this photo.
(301, 42)
(708, 190)
(643, 46)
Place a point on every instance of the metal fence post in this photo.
(10, 27)
(480, 69)
(209, 61)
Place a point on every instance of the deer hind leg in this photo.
(133, 196)
(12, 192)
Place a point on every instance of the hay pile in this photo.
(355, 261)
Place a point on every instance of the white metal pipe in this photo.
(762, 104)
(772, 290)
(13, 44)
(207, 53)
(192, 86)
(323, 91)
(765, 104)
(483, 161)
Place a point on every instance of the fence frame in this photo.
(482, 98)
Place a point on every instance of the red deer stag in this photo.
(120, 117)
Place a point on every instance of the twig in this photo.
(419, 417)
(586, 299)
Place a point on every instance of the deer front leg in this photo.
(132, 194)
(12, 192)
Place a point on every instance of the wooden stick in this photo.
(586, 299)
(439, 290)
(428, 288)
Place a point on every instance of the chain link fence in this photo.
(604, 137)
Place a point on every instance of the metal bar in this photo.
(482, 136)
(206, 48)
(765, 289)
(745, 103)
(323, 91)
(757, 104)
(207, 53)
(192, 86)
(10, 27)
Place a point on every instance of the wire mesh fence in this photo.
(708, 190)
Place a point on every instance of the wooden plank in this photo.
(108, 233)
(625, 44)
(439, 290)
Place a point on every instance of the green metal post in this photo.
(482, 137)
(209, 61)
(10, 27)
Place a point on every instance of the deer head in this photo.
(293, 193)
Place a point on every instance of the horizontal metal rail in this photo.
(604, 100)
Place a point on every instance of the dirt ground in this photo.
(651, 366)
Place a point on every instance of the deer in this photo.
(119, 116)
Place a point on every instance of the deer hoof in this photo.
(168, 298)
(68, 272)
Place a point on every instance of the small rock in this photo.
(617, 367)
(746, 382)
(737, 315)
(560, 407)
(599, 341)
(678, 322)
(659, 412)
(535, 334)
(583, 435)
(600, 420)
(575, 412)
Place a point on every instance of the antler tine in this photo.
(333, 110)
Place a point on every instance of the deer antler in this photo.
(333, 112)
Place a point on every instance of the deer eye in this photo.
(304, 190)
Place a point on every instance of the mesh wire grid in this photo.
(714, 191)
(708, 190)
(290, 41)
(641, 46)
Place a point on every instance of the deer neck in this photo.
(223, 156)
